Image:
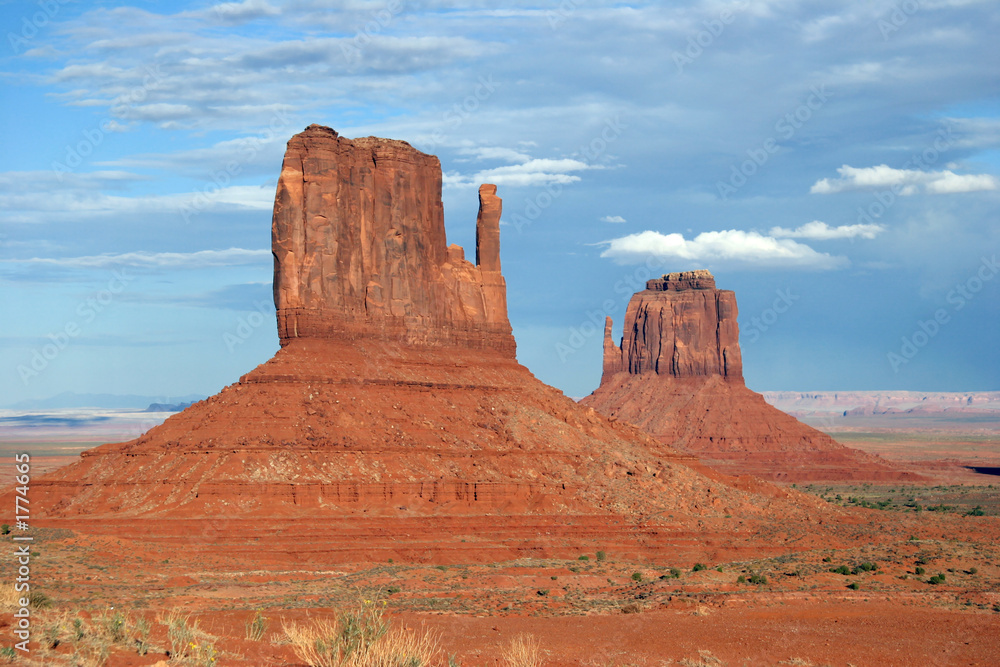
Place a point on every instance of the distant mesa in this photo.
(395, 420)
(677, 373)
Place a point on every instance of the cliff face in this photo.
(359, 249)
(678, 375)
(680, 326)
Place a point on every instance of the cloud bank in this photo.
(731, 247)
(903, 181)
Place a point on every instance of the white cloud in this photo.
(904, 181)
(159, 260)
(81, 195)
(820, 231)
(729, 247)
(612, 218)
(495, 153)
(538, 171)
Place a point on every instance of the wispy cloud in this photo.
(158, 260)
(732, 247)
(820, 231)
(904, 181)
(613, 218)
(537, 171)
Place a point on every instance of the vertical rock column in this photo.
(488, 254)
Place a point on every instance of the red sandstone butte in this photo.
(678, 375)
(395, 420)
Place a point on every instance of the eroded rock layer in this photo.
(678, 375)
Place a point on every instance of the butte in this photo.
(395, 421)
(678, 375)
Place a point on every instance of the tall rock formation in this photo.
(395, 420)
(681, 326)
(359, 249)
(678, 375)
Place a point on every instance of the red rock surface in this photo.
(395, 417)
(678, 375)
(360, 252)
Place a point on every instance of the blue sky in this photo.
(834, 163)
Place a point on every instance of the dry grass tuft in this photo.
(360, 638)
(704, 659)
(523, 651)
(10, 598)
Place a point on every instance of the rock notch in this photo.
(678, 374)
(395, 420)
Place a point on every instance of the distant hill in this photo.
(859, 403)
(169, 407)
(69, 399)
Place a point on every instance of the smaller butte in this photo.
(677, 373)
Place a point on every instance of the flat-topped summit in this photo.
(682, 280)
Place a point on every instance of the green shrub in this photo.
(5, 529)
(584, 557)
(719, 568)
(843, 569)
(854, 585)
(758, 579)
(601, 556)
(741, 579)
(637, 576)
(392, 590)
(919, 571)
(698, 567)
(675, 573)
(256, 627)
(973, 570)
(975, 511)
(936, 579)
